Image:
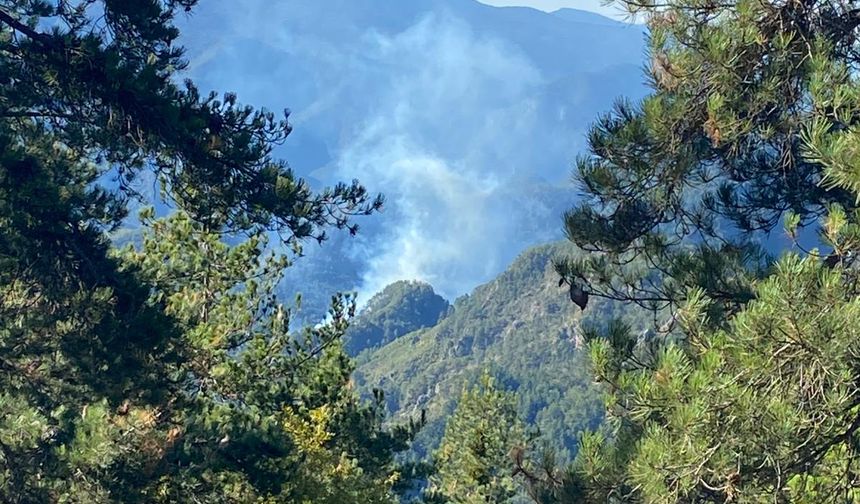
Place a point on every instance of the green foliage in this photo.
(764, 409)
(269, 413)
(521, 326)
(77, 336)
(751, 117)
(325, 475)
(749, 392)
(106, 84)
(474, 462)
(400, 308)
(170, 370)
(786, 369)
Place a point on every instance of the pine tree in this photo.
(749, 392)
(749, 99)
(102, 76)
(764, 409)
(269, 412)
(120, 382)
(473, 463)
(77, 338)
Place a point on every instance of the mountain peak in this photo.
(400, 308)
(581, 16)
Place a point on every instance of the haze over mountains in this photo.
(466, 116)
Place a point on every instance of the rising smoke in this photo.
(465, 133)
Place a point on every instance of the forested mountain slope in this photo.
(521, 327)
(400, 308)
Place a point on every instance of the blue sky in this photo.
(551, 5)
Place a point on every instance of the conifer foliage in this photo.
(167, 373)
(747, 391)
(473, 461)
(268, 413)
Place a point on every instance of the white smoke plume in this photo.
(442, 145)
(467, 134)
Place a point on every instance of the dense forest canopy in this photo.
(168, 370)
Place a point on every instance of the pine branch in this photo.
(20, 27)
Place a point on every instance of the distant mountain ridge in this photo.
(465, 116)
(581, 16)
(558, 37)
